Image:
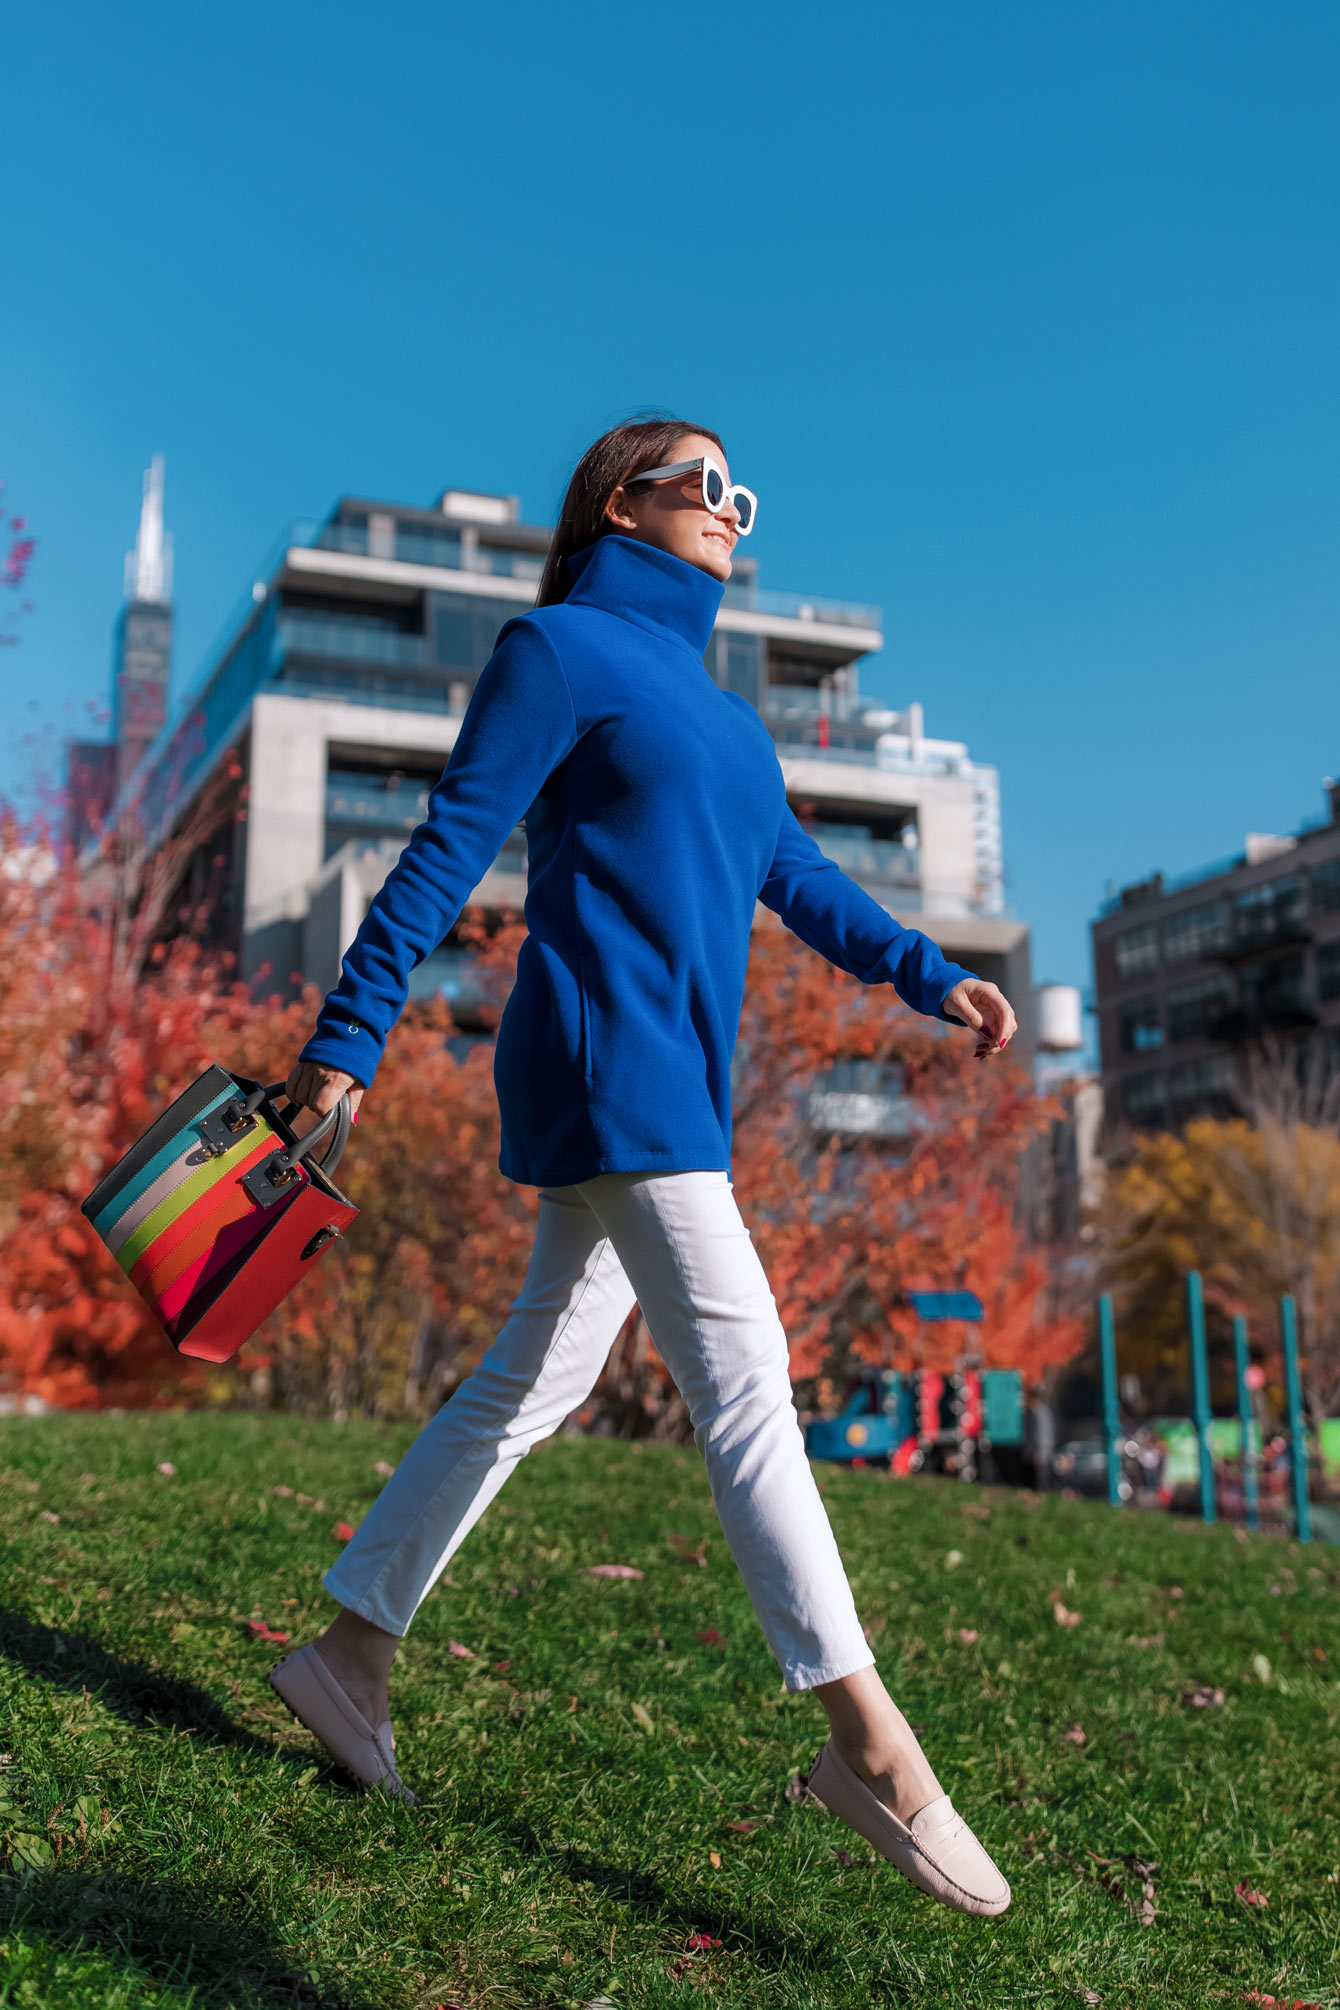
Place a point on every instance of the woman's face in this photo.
(673, 515)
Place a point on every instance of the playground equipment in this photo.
(1203, 1424)
(907, 1420)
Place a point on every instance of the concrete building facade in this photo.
(338, 693)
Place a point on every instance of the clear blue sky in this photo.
(1023, 321)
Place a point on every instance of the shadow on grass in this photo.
(137, 1694)
(162, 1933)
(757, 1932)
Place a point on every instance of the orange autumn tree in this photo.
(95, 1041)
(848, 1230)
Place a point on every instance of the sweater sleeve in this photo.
(518, 726)
(844, 923)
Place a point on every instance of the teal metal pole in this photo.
(1297, 1430)
(1107, 1347)
(1200, 1392)
(1246, 1424)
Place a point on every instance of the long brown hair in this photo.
(613, 462)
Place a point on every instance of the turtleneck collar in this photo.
(644, 584)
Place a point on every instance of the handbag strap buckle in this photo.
(222, 1128)
(273, 1179)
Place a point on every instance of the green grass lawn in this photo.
(604, 1809)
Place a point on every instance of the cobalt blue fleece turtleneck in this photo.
(655, 817)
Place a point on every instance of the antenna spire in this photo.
(149, 566)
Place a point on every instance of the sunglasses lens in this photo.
(744, 504)
(714, 488)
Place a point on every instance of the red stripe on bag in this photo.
(156, 1267)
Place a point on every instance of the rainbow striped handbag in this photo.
(218, 1210)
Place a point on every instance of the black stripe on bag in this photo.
(175, 1118)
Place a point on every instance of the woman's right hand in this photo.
(315, 1087)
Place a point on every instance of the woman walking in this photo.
(655, 817)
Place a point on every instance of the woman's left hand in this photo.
(987, 1011)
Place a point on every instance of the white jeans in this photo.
(675, 1244)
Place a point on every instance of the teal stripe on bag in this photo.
(157, 1166)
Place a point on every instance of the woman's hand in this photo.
(317, 1089)
(987, 1011)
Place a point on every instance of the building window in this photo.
(1273, 994)
(465, 628)
(1142, 1098)
(1275, 908)
(1206, 1084)
(1328, 970)
(1136, 949)
(1194, 1009)
(1198, 931)
(1141, 1026)
(426, 544)
(1326, 886)
(743, 664)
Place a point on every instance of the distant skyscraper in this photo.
(142, 654)
(97, 770)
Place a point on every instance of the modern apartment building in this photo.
(337, 693)
(1191, 973)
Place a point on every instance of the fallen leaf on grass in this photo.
(1261, 1667)
(613, 1570)
(1149, 1640)
(383, 1470)
(713, 1857)
(343, 1532)
(46, 1515)
(1073, 1735)
(284, 1493)
(1249, 1895)
(1277, 2002)
(1063, 1616)
(954, 1559)
(167, 1469)
(798, 1788)
(462, 1653)
(968, 1635)
(33, 1850)
(644, 1717)
(264, 1632)
(1203, 1698)
(698, 1941)
(688, 1552)
(710, 1637)
(742, 1828)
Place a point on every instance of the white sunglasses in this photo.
(717, 491)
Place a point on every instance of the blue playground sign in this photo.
(946, 1304)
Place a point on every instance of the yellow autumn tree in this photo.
(1253, 1203)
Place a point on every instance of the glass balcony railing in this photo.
(886, 861)
(355, 641)
(801, 606)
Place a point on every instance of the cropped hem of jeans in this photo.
(363, 1608)
(798, 1679)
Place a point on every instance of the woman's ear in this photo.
(618, 511)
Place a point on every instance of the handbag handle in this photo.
(337, 1121)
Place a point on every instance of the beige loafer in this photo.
(317, 1700)
(936, 1849)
